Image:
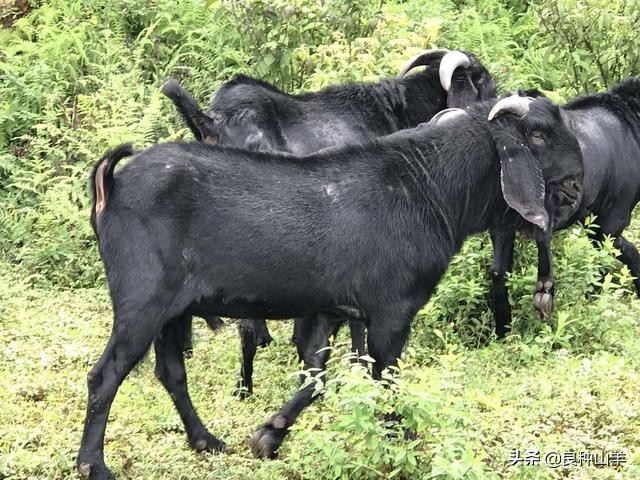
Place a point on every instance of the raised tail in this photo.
(101, 180)
(202, 127)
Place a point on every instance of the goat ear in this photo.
(523, 186)
(202, 126)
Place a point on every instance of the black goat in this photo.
(607, 126)
(254, 115)
(192, 229)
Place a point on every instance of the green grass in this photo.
(501, 398)
(77, 77)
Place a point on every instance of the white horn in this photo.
(448, 65)
(447, 115)
(513, 104)
(424, 58)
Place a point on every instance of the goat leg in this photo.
(311, 337)
(500, 267)
(253, 333)
(132, 334)
(543, 298)
(173, 376)
(630, 257)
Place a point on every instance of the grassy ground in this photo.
(508, 398)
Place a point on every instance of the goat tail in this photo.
(202, 127)
(101, 179)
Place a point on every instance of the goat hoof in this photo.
(267, 439)
(241, 391)
(95, 471)
(208, 443)
(264, 340)
(543, 302)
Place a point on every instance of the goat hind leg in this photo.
(131, 337)
(213, 322)
(171, 372)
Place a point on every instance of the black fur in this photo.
(252, 114)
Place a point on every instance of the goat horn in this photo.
(513, 104)
(448, 65)
(424, 58)
(446, 115)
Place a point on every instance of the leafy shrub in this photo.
(77, 79)
(282, 36)
(411, 425)
(593, 39)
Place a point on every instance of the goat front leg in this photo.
(543, 298)
(358, 338)
(311, 335)
(500, 267)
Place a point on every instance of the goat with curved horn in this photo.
(513, 104)
(449, 63)
(447, 115)
(423, 59)
(251, 114)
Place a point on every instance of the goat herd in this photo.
(340, 205)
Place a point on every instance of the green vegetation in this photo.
(78, 77)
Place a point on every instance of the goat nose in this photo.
(571, 187)
(577, 186)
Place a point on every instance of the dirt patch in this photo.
(12, 10)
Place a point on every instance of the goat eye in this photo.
(537, 138)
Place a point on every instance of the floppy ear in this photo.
(522, 183)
